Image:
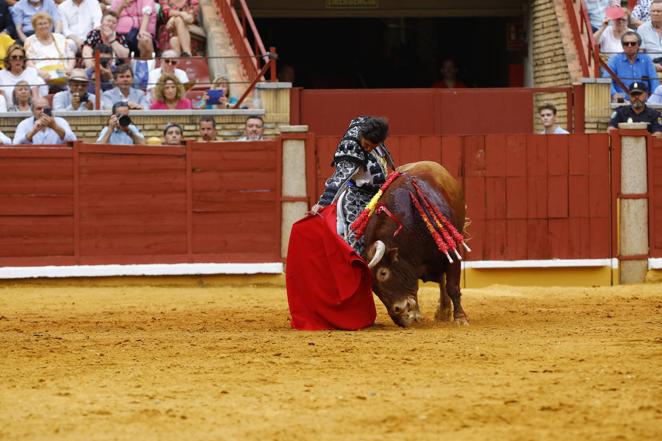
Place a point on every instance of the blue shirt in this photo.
(641, 70)
(23, 12)
(112, 96)
(45, 136)
(120, 136)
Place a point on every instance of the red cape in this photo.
(329, 286)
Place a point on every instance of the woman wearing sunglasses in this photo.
(16, 70)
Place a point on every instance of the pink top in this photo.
(132, 15)
(184, 103)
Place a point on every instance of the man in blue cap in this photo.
(637, 111)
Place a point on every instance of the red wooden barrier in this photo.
(655, 197)
(528, 196)
(429, 111)
(93, 204)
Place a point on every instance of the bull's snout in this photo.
(405, 312)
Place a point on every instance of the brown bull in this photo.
(401, 249)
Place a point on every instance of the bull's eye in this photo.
(383, 274)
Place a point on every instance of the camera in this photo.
(84, 97)
(105, 62)
(47, 111)
(124, 121)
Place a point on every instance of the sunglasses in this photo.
(17, 57)
(630, 43)
(173, 62)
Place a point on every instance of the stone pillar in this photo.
(633, 204)
(274, 98)
(294, 197)
(597, 101)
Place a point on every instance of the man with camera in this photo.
(120, 129)
(43, 127)
(106, 67)
(76, 98)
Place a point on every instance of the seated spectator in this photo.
(637, 111)
(207, 129)
(596, 11)
(4, 139)
(641, 13)
(7, 21)
(610, 33)
(253, 129)
(24, 10)
(172, 134)
(48, 52)
(79, 18)
(105, 35)
(22, 98)
(449, 76)
(42, 127)
(286, 73)
(123, 79)
(179, 17)
(225, 101)
(631, 66)
(169, 61)
(106, 67)
(137, 23)
(651, 35)
(120, 129)
(17, 70)
(76, 98)
(547, 113)
(169, 94)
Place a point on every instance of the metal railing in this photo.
(587, 49)
(256, 60)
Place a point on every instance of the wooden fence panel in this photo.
(36, 202)
(655, 198)
(236, 200)
(132, 202)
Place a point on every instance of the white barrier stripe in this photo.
(655, 263)
(177, 269)
(551, 263)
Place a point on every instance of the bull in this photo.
(400, 249)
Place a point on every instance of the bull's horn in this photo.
(379, 253)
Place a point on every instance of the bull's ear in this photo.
(392, 254)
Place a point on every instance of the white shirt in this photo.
(44, 136)
(8, 80)
(4, 139)
(609, 44)
(557, 131)
(155, 74)
(79, 20)
(45, 55)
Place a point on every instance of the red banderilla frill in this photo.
(441, 245)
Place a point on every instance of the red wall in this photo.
(418, 111)
(528, 196)
(655, 197)
(211, 202)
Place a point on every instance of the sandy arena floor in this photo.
(221, 363)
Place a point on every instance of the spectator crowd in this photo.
(47, 56)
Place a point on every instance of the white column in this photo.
(294, 195)
(633, 205)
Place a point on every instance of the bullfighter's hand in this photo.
(315, 209)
